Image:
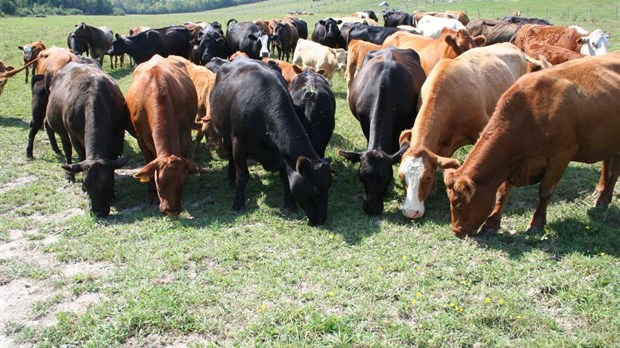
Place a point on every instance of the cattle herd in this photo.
(529, 95)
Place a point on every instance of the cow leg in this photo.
(243, 174)
(493, 222)
(289, 200)
(66, 147)
(553, 173)
(609, 176)
(27, 72)
(52, 137)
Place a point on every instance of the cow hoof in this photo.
(534, 229)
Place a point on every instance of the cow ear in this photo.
(321, 72)
(297, 69)
(447, 162)
(252, 37)
(321, 22)
(480, 40)
(303, 165)
(463, 186)
(339, 21)
(193, 168)
(147, 171)
(450, 41)
(220, 41)
(275, 37)
(73, 168)
(21, 48)
(117, 35)
(352, 157)
(405, 137)
(118, 163)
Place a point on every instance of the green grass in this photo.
(213, 278)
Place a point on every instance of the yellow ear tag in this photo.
(145, 178)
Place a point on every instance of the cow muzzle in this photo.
(413, 214)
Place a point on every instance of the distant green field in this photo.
(214, 278)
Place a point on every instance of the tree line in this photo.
(110, 7)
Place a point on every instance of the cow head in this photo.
(4, 79)
(594, 44)
(259, 44)
(309, 183)
(375, 174)
(331, 28)
(341, 57)
(118, 45)
(212, 44)
(460, 41)
(98, 182)
(417, 171)
(470, 204)
(170, 174)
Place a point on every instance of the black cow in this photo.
(525, 20)
(173, 40)
(215, 64)
(287, 36)
(384, 108)
(327, 33)
(316, 103)
(211, 43)
(372, 15)
(253, 111)
(345, 31)
(396, 18)
(372, 34)
(99, 40)
(493, 31)
(302, 27)
(76, 45)
(87, 110)
(247, 37)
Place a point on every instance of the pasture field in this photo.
(210, 277)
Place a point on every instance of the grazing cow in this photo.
(261, 122)
(493, 31)
(568, 113)
(174, 40)
(358, 50)
(376, 35)
(327, 33)
(285, 36)
(212, 43)
(595, 44)
(162, 103)
(442, 127)
(396, 18)
(316, 102)
(564, 37)
(553, 54)
(50, 61)
(525, 20)
(99, 40)
(311, 54)
(77, 46)
(431, 26)
(247, 37)
(30, 52)
(450, 44)
(87, 110)
(384, 108)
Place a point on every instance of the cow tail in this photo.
(228, 23)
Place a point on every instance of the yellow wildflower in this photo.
(331, 236)
(331, 294)
(603, 254)
(414, 301)
(261, 308)
(452, 304)
(487, 300)
(418, 294)
(501, 301)
(405, 257)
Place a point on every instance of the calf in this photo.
(456, 102)
(30, 52)
(87, 110)
(316, 102)
(450, 45)
(384, 108)
(568, 113)
(314, 55)
(248, 38)
(162, 102)
(256, 117)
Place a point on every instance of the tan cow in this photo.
(314, 55)
(450, 44)
(358, 49)
(456, 102)
(570, 112)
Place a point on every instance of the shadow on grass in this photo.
(120, 73)
(7, 121)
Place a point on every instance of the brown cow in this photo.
(289, 70)
(472, 83)
(31, 52)
(7, 72)
(553, 54)
(529, 34)
(450, 44)
(544, 121)
(358, 49)
(493, 31)
(162, 102)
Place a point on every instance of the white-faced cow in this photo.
(247, 37)
(30, 52)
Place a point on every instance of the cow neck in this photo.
(99, 132)
(381, 130)
(291, 138)
(164, 128)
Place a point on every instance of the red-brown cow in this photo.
(31, 52)
(162, 103)
(450, 44)
(456, 102)
(553, 54)
(545, 120)
(564, 37)
(7, 72)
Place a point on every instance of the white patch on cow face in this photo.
(27, 52)
(412, 169)
(264, 49)
(596, 44)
